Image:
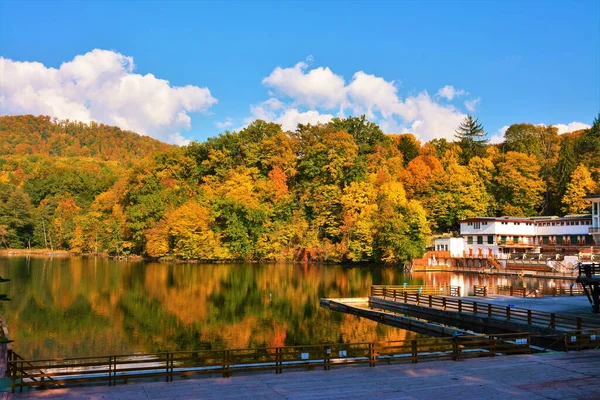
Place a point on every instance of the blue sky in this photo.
(292, 62)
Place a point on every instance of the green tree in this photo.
(471, 139)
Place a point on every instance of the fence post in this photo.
(405, 297)
(415, 353)
(579, 323)
(394, 294)
(508, 311)
(110, 370)
(226, 364)
(372, 291)
(552, 320)
(430, 301)
(529, 317)
(474, 308)
(372, 356)
(458, 291)
(474, 290)
(492, 346)
(418, 295)
(384, 291)
(455, 348)
(489, 310)
(511, 290)
(277, 360)
(444, 303)
(459, 305)
(326, 355)
(485, 291)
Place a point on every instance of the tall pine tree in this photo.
(471, 139)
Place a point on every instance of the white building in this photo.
(595, 228)
(505, 235)
(453, 245)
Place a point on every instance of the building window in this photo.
(484, 223)
(479, 239)
(470, 240)
(490, 239)
(503, 239)
(477, 225)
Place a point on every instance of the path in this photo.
(574, 375)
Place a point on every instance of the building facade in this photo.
(595, 228)
(498, 237)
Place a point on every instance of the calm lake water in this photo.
(80, 306)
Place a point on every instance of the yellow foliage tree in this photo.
(580, 186)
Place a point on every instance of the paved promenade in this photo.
(575, 375)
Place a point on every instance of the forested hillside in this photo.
(342, 191)
(27, 134)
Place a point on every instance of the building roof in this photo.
(530, 219)
(593, 196)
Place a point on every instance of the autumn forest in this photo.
(339, 192)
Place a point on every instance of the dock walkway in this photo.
(540, 376)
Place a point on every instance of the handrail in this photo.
(397, 290)
(484, 291)
(508, 313)
(589, 269)
(228, 361)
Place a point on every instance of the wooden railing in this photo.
(399, 290)
(582, 340)
(507, 313)
(484, 291)
(589, 269)
(122, 368)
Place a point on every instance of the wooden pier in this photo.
(546, 328)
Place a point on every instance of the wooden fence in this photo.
(122, 368)
(507, 313)
(399, 290)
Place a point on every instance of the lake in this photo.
(82, 306)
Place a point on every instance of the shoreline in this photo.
(134, 257)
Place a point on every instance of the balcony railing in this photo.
(513, 243)
(594, 230)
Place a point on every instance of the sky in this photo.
(181, 71)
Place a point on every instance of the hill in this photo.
(43, 135)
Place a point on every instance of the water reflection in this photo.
(66, 307)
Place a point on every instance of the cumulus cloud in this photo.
(101, 86)
(449, 92)
(319, 87)
(573, 126)
(301, 94)
(289, 117)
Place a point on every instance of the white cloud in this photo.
(224, 124)
(101, 86)
(318, 87)
(449, 92)
(309, 95)
(573, 126)
(496, 139)
(289, 117)
(472, 104)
